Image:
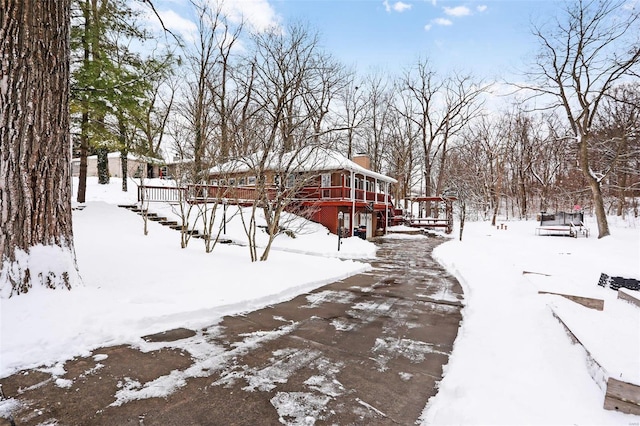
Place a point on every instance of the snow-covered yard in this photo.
(512, 363)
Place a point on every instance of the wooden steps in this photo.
(172, 224)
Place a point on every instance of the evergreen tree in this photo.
(112, 81)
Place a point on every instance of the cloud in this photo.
(481, 8)
(258, 14)
(175, 22)
(398, 6)
(438, 21)
(171, 20)
(442, 21)
(457, 11)
(401, 7)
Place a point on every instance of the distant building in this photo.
(137, 166)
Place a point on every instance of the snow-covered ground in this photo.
(512, 362)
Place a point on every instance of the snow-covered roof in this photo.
(304, 160)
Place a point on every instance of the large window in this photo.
(326, 180)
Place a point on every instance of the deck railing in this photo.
(169, 194)
(205, 193)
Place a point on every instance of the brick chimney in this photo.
(362, 160)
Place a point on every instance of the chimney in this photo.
(362, 160)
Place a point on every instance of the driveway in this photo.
(365, 350)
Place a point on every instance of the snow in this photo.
(512, 363)
(48, 264)
(306, 159)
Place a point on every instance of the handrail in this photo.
(161, 193)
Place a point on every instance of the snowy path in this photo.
(368, 349)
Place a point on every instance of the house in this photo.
(322, 184)
(137, 166)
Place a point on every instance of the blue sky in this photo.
(490, 38)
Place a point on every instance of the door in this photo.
(366, 219)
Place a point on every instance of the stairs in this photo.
(160, 219)
(173, 224)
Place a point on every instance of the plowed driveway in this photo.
(365, 350)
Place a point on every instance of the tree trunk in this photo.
(84, 123)
(103, 166)
(84, 152)
(463, 216)
(124, 166)
(596, 190)
(36, 238)
(601, 215)
(124, 153)
(622, 200)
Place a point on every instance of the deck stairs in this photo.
(154, 217)
(172, 224)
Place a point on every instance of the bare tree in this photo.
(36, 238)
(486, 141)
(153, 122)
(590, 48)
(352, 115)
(403, 150)
(222, 82)
(293, 82)
(196, 112)
(442, 107)
(617, 142)
(465, 175)
(379, 100)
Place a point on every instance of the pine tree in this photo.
(111, 81)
